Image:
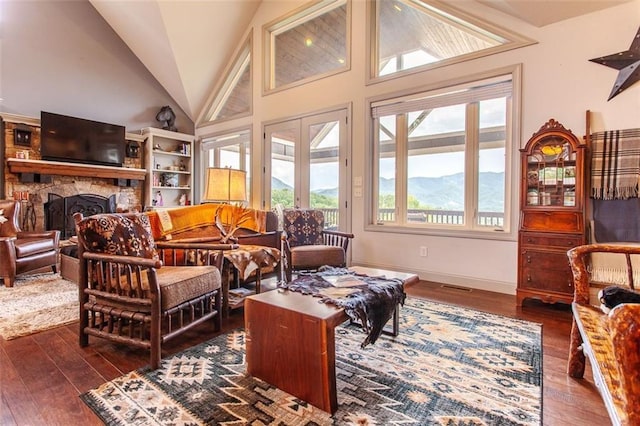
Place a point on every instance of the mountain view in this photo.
(444, 192)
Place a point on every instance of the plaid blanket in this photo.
(615, 164)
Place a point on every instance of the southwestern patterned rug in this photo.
(448, 366)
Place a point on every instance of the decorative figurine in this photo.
(158, 199)
(183, 200)
(168, 118)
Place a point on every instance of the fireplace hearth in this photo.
(59, 210)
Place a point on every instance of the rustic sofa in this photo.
(198, 222)
(255, 231)
(610, 342)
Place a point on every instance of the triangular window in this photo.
(413, 35)
(233, 99)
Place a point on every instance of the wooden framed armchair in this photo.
(23, 251)
(127, 295)
(307, 245)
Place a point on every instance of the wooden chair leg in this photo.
(8, 281)
(155, 336)
(576, 362)
(217, 301)
(225, 288)
(84, 322)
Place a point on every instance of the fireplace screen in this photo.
(59, 211)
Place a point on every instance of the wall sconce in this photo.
(133, 149)
(22, 136)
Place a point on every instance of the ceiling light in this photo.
(308, 42)
(397, 7)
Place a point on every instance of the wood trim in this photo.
(17, 165)
(2, 138)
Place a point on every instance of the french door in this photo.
(306, 166)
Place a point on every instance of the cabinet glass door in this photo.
(551, 174)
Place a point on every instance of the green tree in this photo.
(282, 196)
(321, 201)
(388, 201)
(414, 203)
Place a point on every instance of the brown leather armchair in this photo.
(22, 251)
(307, 245)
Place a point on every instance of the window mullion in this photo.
(472, 159)
(375, 184)
(402, 157)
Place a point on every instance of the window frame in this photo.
(514, 41)
(296, 17)
(512, 143)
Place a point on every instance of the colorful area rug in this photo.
(448, 366)
(36, 303)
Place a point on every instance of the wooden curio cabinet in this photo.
(551, 213)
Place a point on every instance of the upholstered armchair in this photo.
(128, 295)
(307, 245)
(22, 251)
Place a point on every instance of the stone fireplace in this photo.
(59, 210)
(77, 193)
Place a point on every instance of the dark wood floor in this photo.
(42, 375)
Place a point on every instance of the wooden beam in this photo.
(17, 165)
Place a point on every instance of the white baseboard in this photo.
(456, 280)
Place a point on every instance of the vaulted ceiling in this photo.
(186, 45)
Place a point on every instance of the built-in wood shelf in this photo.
(43, 167)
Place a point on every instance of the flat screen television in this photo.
(65, 138)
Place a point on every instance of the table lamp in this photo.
(225, 185)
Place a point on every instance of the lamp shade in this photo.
(225, 184)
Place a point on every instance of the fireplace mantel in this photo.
(43, 167)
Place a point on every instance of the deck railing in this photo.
(444, 217)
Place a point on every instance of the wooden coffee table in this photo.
(290, 341)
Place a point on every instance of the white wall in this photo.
(558, 82)
(62, 57)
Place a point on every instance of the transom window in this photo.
(420, 34)
(441, 158)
